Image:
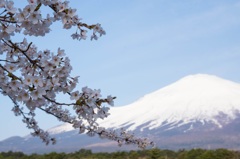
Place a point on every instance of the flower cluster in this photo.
(33, 78)
(31, 22)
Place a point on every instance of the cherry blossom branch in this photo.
(42, 75)
(58, 116)
(55, 102)
(32, 124)
(123, 138)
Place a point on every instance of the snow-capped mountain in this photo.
(193, 98)
(196, 111)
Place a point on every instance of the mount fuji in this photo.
(197, 111)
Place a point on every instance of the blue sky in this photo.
(149, 44)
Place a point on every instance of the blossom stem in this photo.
(14, 76)
(55, 102)
(9, 61)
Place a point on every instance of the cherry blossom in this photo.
(34, 78)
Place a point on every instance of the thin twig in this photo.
(10, 61)
(3, 12)
(48, 112)
(14, 46)
(55, 102)
(14, 76)
(9, 21)
(23, 51)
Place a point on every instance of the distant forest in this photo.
(143, 154)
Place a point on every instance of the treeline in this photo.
(143, 154)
